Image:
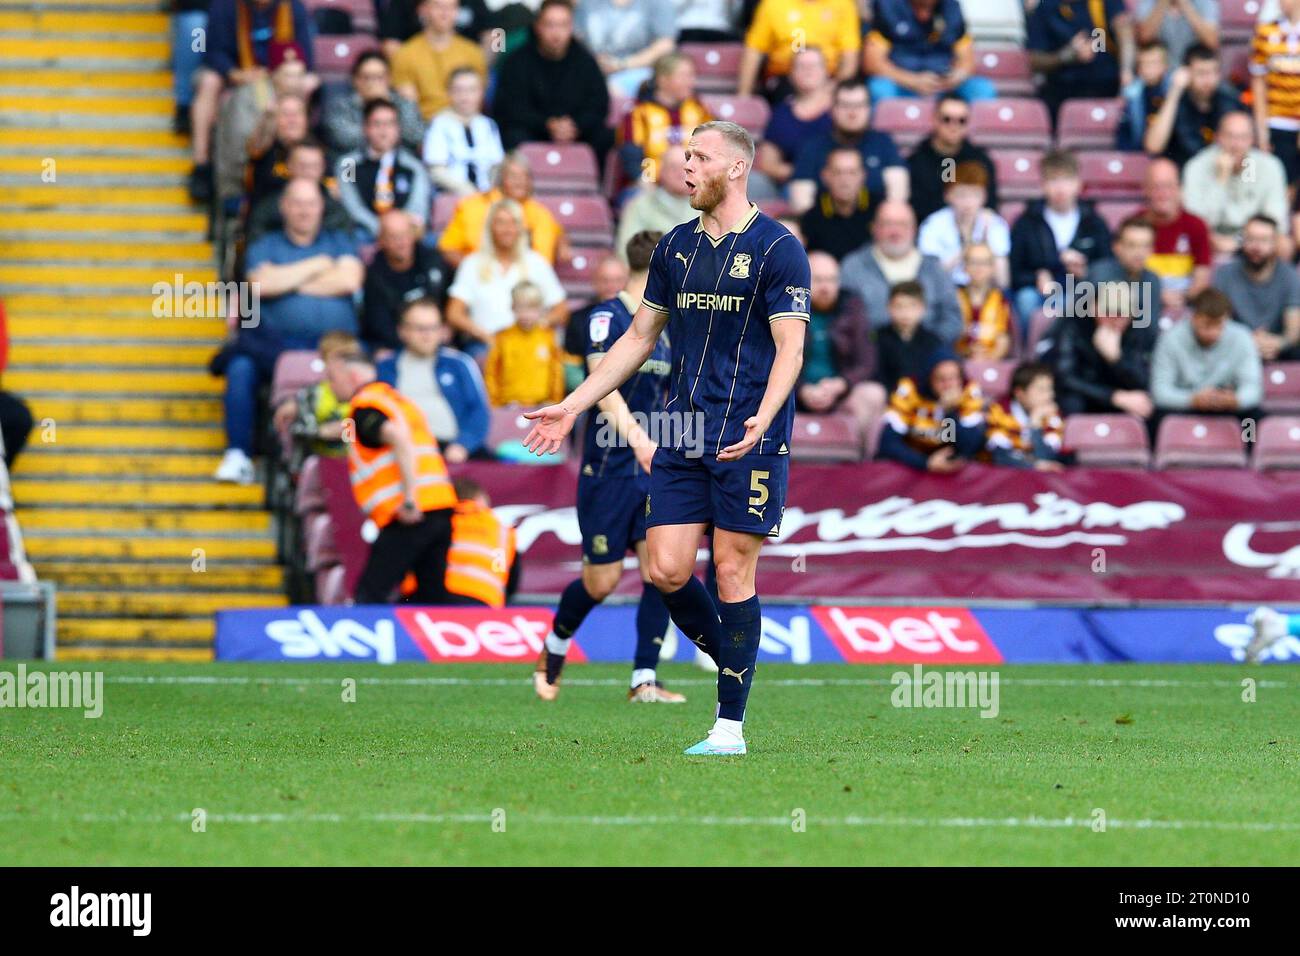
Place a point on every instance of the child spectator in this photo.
(463, 146)
(903, 345)
(966, 219)
(935, 422)
(524, 365)
(985, 309)
(315, 413)
(1026, 431)
(1144, 96)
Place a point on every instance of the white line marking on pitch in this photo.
(1259, 826)
(216, 680)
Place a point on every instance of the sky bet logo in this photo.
(73, 909)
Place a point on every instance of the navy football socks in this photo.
(651, 623)
(694, 612)
(741, 631)
(575, 605)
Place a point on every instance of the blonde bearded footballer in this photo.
(732, 289)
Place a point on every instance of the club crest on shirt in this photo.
(740, 266)
(598, 331)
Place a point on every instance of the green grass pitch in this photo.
(461, 765)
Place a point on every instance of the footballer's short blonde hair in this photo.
(735, 136)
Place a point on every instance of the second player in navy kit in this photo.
(612, 487)
(732, 290)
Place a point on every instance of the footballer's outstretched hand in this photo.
(753, 432)
(550, 426)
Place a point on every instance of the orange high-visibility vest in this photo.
(482, 552)
(376, 479)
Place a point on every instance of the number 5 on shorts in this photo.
(759, 496)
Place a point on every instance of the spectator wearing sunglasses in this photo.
(946, 148)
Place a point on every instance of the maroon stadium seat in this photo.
(1010, 211)
(586, 219)
(993, 378)
(362, 12)
(575, 273)
(1039, 324)
(1108, 441)
(908, 121)
(331, 586)
(1282, 386)
(509, 425)
(295, 369)
(562, 167)
(1237, 19)
(335, 55)
(444, 207)
(1113, 175)
(832, 437)
(309, 494)
(619, 107)
(1089, 124)
(776, 208)
(717, 65)
(1277, 443)
(1018, 122)
(751, 112)
(318, 542)
(1200, 441)
(1236, 63)
(1116, 211)
(1018, 173)
(1008, 68)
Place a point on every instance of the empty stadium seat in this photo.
(575, 273)
(1199, 441)
(1018, 122)
(335, 55)
(1089, 124)
(295, 369)
(1237, 19)
(832, 437)
(717, 65)
(1112, 174)
(361, 12)
(562, 167)
(586, 219)
(507, 426)
(993, 378)
(1008, 69)
(1108, 441)
(907, 121)
(309, 493)
(1115, 211)
(318, 540)
(751, 112)
(1010, 211)
(776, 208)
(331, 586)
(1019, 177)
(1282, 386)
(1039, 324)
(1277, 443)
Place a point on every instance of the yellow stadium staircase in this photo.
(114, 493)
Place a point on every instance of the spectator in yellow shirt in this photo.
(781, 28)
(524, 365)
(514, 180)
(425, 62)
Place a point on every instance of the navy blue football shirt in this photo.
(644, 392)
(720, 296)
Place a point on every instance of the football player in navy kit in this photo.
(732, 289)
(612, 488)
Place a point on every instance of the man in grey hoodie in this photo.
(1208, 364)
(892, 257)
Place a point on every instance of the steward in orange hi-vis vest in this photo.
(399, 480)
(376, 476)
(481, 556)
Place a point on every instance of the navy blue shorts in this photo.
(611, 516)
(747, 496)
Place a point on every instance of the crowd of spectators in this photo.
(919, 264)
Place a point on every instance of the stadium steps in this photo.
(114, 492)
